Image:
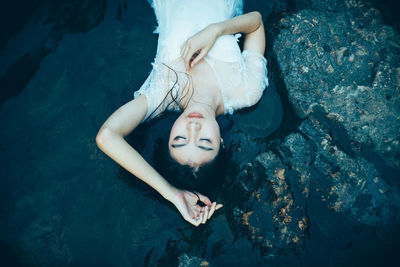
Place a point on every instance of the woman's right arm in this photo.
(110, 139)
(251, 24)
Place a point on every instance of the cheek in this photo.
(212, 130)
(176, 129)
(216, 131)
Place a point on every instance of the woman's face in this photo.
(194, 140)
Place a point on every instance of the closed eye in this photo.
(205, 139)
(178, 137)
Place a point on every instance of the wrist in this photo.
(216, 28)
(172, 194)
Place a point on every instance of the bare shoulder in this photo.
(128, 116)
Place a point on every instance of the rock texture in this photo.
(346, 62)
(340, 166)
(270, 218)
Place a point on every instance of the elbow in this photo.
(258, 16)
(103, 137)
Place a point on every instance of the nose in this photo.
(193, 130)
(194, 125)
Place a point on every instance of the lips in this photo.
(195, 115)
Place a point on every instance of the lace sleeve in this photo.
(156, 89)
(255, 76)
(242, 81)
(147, 91)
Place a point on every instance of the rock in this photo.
(308, 180)
(271, 219)
(343, 51)
(349, 185)
(347, 63)
(341, 72)
(330, 5)
(187, 261)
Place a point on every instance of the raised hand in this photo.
(187, 204)
(197, 46)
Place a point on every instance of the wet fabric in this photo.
(241, 75)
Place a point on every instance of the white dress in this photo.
(242, 76)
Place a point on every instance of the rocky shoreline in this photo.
(340, 66)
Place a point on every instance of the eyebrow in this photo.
(201, 147)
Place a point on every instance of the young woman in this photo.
(200, 71)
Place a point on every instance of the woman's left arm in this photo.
(197, 47)
(111, 140)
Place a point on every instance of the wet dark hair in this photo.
(205, 180)
(174, 94)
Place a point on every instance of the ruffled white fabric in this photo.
(242, 76)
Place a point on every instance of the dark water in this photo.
(65, 66)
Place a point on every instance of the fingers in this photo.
(183, 48)
(197, 209)
(186, 53)
(190, 54)
(205, 216)
(196, 216)
(212, 209)
(194, 219)
(204, 199)
(199, 219)
(196, 213)
(186, 59)
(198, 58)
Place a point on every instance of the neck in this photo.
(204, 101)
(206, 108)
